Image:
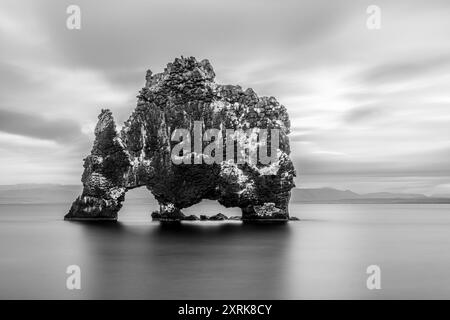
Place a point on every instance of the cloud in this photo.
(366, 107)
(230, 33)
(35, 126)
(365, 113)
(426, 161)
(406, 70)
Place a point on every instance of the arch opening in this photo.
(211, 208)
(138, 205)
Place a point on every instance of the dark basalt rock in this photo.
(192, 217)
(218, 217)
(156, 215)
(172, 216)
(140, 154)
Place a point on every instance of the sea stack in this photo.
(183, 96)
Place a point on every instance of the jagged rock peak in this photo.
(180, 70)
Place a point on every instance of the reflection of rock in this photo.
(140, 154)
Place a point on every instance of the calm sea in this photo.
(324, 256)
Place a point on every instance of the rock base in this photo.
(89, 219)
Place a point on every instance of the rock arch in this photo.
(140, 154)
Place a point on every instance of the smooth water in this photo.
(323, 256)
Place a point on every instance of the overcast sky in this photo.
(370, 109)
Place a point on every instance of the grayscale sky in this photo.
(370, 109)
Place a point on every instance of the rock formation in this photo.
(140, 154)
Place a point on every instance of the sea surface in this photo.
(323, 256)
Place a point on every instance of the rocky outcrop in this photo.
(141, 153)
(218, 217)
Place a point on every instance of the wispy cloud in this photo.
(34, 126)
(365, 113)
(401, 70)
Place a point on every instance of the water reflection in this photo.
(324, 256)
(185, 261)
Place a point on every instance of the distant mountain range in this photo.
(330, 195)
(65, 194)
